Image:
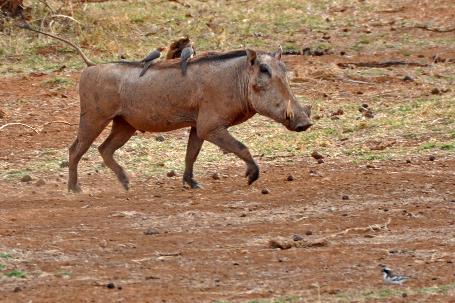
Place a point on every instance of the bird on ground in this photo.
(149, 59)
(390, 277)
(187, 53)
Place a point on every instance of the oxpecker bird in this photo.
(149, 59)
(187, 54)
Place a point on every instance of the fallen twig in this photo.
(374, 227)
(435, 29)
(36, 130)
(20, 124)
(379, 64)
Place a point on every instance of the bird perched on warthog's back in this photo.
(150, 58)
(147, 61)
(182, 48)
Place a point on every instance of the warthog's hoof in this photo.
(192, 183)
(74, 188)
(252, 172)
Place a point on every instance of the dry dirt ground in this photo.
(160, 242)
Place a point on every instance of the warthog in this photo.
(219, 90)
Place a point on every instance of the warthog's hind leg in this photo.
(89, 129)
(192, 151)
(226, 141)
(121, 132)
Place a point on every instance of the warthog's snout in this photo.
(302, 127)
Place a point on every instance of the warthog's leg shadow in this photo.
(89, 129)
(226, 141)
(192, 151)
(121, 132)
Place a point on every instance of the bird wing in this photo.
(152, 56)
(187, 53)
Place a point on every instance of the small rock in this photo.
(335, 118)
(431, 158)
(339, 112)
(297, 237)
(2, 114)
(40, 182)
(110, 285)
(370, 166)
(290, 178)
(320, 161)
(242, 215)
(159, 138)
(64, 164)
(103, 243)
(408, 161)
(317, 155)
(345, 197)
(342, 53)
(26, 178)
(215, 176)
(364, 105)
(435, 91)
(308, 233)
(265, 191)
(171, 173)
(151, 231)
(407, 78)
(17, 289)
(404, 295)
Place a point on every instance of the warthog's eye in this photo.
(265, 69)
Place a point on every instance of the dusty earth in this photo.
(160, 242)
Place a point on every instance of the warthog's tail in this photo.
(84, 57)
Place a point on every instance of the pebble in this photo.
(320, 161)
(40, 182)
(290, 178)
(435, 91)
(317, 155)
(159, 138)
(431, 158)
(215, 176)
(26, 178)
(265, 191)
(151, 231)
(345, 197)
(171, 173)
(408, 161)
(110, 285)
(297, 237)
(308, 233)
(407, 78)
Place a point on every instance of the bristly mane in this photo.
(205, 57)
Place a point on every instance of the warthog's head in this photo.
(269, 92)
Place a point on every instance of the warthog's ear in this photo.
(278, 53)
(251, 56)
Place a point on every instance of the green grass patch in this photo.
(5, 255)
(59, 81)
(2, 266)
(16, 274)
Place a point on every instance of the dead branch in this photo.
(37, 131)
(379, 64)
(374, 227)
(20, 124)
(435, 29)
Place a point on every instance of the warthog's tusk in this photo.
(289, 111)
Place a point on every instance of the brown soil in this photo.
(163, 243)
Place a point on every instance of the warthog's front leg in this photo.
(226, 141)
(192, 151)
